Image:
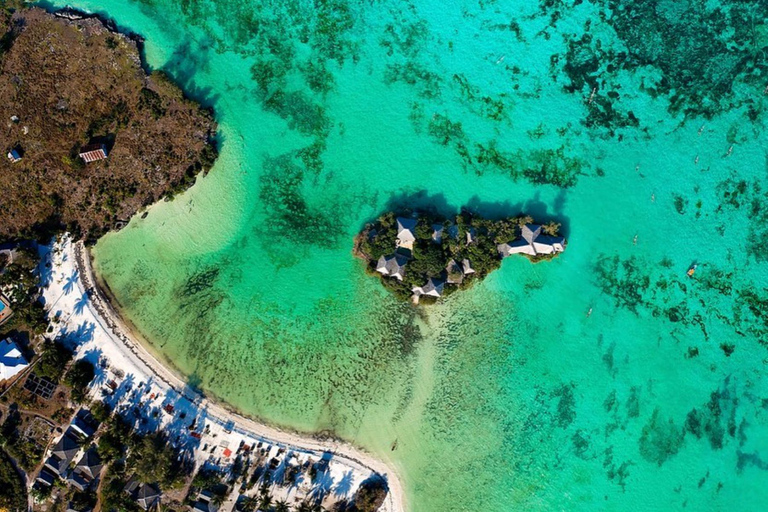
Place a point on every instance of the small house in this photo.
(433, 288)
(63, 453)
(471, 235)
(204, 502)
(12, 361)
(93, 152)
(392, 266)
(146, 495)
(87, 470)
(82, 424)
(45, 478)
(406, 232)
(454, 273)
(14, 156)
(437, 233)
(532, 243)
(466, 267)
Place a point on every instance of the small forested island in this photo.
(88, 137)
(423, 256)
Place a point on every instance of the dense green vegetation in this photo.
(26, 451)
(112, 442)
(78, 377)
(146, 458)
(431, 259)
(153, 461)
(13, 494)
(112, 496)
(370, 496)
(19, 279)
(53, 361)
(10, 434)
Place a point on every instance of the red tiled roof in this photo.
(93, 152)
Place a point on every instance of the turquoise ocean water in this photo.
(640, 126)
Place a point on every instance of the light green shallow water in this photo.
(508, 396)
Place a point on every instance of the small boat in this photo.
(692, 270)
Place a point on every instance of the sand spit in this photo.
(129, 376)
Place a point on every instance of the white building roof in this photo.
(406, 230)
(437, 233)
(533, 243)
(392, 266)
(530, 232)
(433, 288)
(12, 361)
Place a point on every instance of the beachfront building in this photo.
(93, 152)
(147, 496)
(454, 273)
(532, 243)
(406, 232)
(14, 156)
(437, 233)
(392, 266)
(12, 361)
(63, 453)
(45, 478)
(466, 267)
(87, 470)
(82, 424)
(204, 502)
(433, 288)
(471, 235)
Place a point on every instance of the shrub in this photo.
(78, 377)
(53, 361)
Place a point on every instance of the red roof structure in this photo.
(227, 452)
(93, 152)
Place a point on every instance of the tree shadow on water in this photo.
(535, 207)
(438, 204)
(187, 61)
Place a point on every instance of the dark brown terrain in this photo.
(67, 83)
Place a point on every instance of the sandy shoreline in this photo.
(127, 344)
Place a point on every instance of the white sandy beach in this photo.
(161, 399)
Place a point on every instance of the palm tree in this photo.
(266, 501)
(304, 507)
(282, 506)
(250, 504)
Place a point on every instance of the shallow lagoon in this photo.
(637, 121)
